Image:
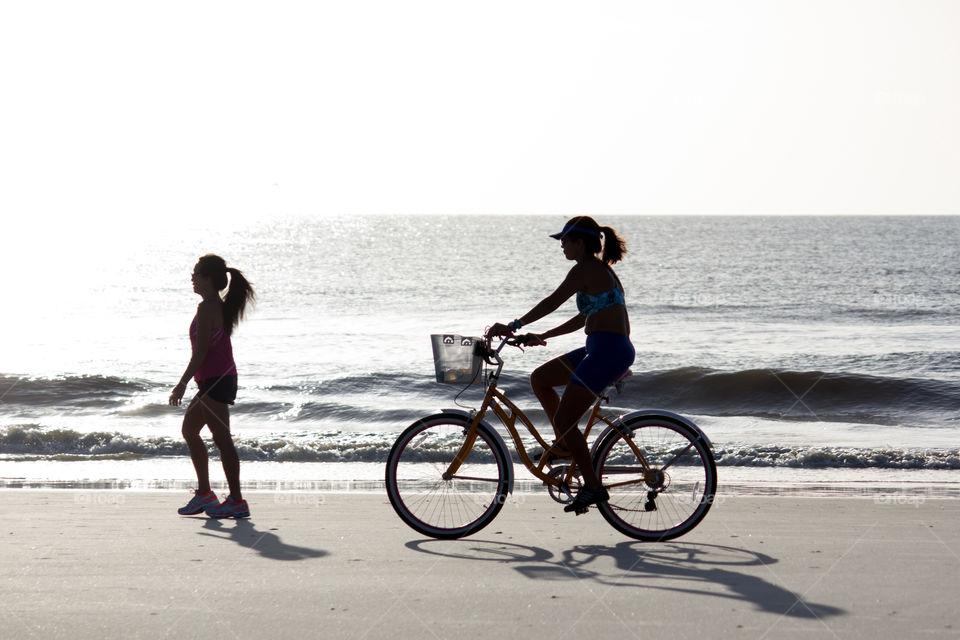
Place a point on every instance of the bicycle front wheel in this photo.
(434, 504)
(672, 494)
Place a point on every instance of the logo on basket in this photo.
(448, 339)
(466, 342)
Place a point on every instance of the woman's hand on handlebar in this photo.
(527, 339)
(531, 340)
(498, 330)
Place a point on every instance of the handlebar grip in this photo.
(481, 348)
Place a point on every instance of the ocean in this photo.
(815, 351)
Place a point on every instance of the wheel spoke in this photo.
(475, 479)
(668, 495)
(451, 506)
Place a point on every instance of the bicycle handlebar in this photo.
(490, 355)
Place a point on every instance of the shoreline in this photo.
(176, 474)
(756, 567)
(878, 491)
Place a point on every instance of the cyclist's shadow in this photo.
(678, 567)
(266, 543)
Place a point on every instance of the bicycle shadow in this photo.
(266, 543)
(687, 568)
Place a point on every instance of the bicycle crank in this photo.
(564, 492)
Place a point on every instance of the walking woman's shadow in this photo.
(266, 543)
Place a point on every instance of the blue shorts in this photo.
(606, 357)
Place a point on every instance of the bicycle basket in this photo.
(455, 359)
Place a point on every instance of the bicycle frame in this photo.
(657, 466)
(496, 401)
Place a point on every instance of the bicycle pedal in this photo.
(581, 510)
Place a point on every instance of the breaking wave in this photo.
(402, 397)
(31, 442)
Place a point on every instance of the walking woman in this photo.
(212, 366)
(587, 371)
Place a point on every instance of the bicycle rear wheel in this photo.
(442, 507)
(676, 492)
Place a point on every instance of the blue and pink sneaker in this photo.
(229, 508)
(198, 503)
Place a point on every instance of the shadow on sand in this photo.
(266, 543)
(679, 567)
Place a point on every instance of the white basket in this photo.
(455, 359)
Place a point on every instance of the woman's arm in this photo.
(538, 339)
(552, 302)
(200, 348)
(569, 286)
(575, 323)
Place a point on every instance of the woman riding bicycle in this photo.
(608, 353)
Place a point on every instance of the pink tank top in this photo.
(219, 361)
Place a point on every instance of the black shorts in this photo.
(222, 389)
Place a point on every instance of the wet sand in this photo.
(95, 564)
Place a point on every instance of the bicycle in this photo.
(449, 474)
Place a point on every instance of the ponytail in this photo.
(235, 301)
(614, 247)
(585, 228)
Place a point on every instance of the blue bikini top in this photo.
(589, 305)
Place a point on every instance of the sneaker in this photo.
(586, 497)
(198, 503)
(229, 508)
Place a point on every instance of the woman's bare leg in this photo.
(544, 380)
(193, 422)
(573, 404)
(218, 420)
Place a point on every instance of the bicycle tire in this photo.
(661, 505)
(446, 508)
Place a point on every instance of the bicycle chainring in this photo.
(564, 493)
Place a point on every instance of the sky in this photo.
(159, 113)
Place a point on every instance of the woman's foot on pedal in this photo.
(198, 503)
(229, 508)
(586, 497)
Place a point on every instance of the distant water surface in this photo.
(821, 342)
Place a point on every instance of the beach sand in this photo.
(96, 564)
